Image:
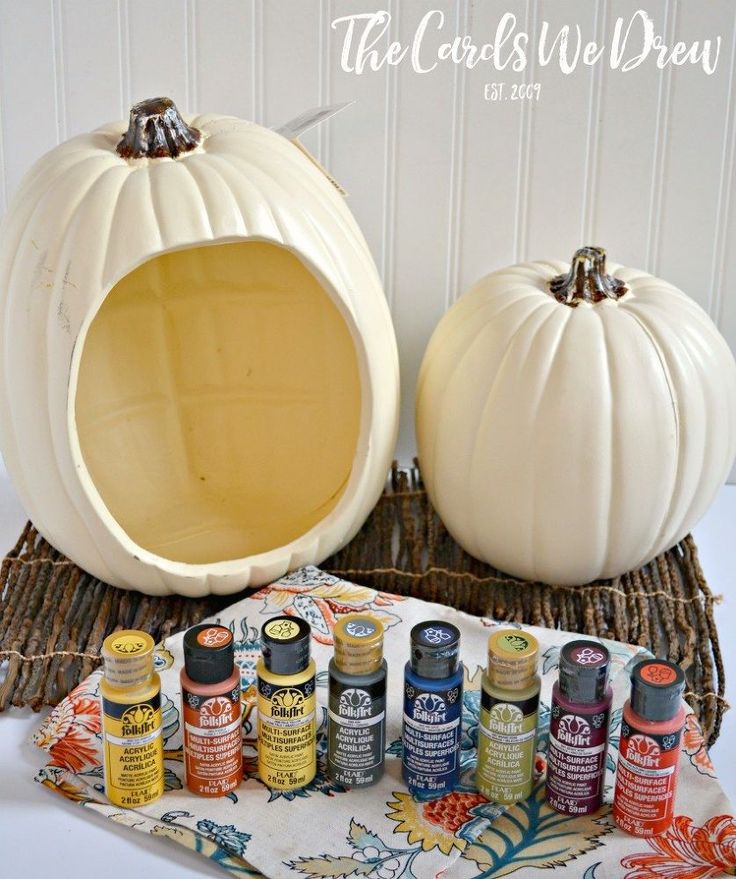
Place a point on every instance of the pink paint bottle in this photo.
(578, 730)
(649, 750)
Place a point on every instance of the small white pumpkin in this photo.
(572, 425)
(199, 377)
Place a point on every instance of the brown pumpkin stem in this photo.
(156, 131)
(587, 280)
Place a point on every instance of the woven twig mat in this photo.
(54, 616)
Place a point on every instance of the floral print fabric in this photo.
(383, 832)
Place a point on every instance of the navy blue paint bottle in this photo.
(433, 701)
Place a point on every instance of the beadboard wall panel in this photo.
(491, 167)
(623, 182)
(159, 60)
(225, 30)
(360, 144)
(694, 131)
(87, 70)
(421, 208)
(445, 184)
(293, 61)
(32, 118)
(556, 178)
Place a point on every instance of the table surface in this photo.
(77, 843)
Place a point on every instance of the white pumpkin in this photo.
(571, 426)
(199, 379)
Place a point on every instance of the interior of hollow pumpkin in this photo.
(218, 402)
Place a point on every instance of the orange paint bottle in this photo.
(649, 749)
(210, 693)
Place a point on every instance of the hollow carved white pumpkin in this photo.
(571, 425)
(199, 373)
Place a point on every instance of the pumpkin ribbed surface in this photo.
(566, 444)
(199, 374)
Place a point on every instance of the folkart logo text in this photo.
(574, 731)
(138, 720)
(429, 708)
(643, 751)
(288, 704)
(355, 704)
(505, 719)
(216, 712)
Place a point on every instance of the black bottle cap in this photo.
(285, 643)
(584, 671)
(435, 649)
(208, 653)
(657, 686)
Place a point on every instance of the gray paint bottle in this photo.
(356, 735)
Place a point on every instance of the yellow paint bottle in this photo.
(287, 734)
(131, 720)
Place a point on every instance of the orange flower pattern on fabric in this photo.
(693, 743)
(434, 824)
(687, 851)
(71, 731)
(453, 810)
(321, 599)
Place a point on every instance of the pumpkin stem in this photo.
(587, 279)
(156, 131)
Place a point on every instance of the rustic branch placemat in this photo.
(54, 616)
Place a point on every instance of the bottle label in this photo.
(431, 738)
(287, 752)
(213, 742)
(576, 760)
(133, 751)
(507, 739)
(508, 671)
(356, 732)
(646, 778)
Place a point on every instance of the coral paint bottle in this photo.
(649, 750)
(578, 730)
(210, 695)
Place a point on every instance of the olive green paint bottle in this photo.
(509, 706)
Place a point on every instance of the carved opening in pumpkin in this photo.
(218, 402)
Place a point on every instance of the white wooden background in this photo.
(445, 185)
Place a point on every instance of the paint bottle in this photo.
(649, 749)
(131, 720)
(509, 707)
(210, 695)
(356, 731)
(287, 734)
(578, 732)
(433, 699)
